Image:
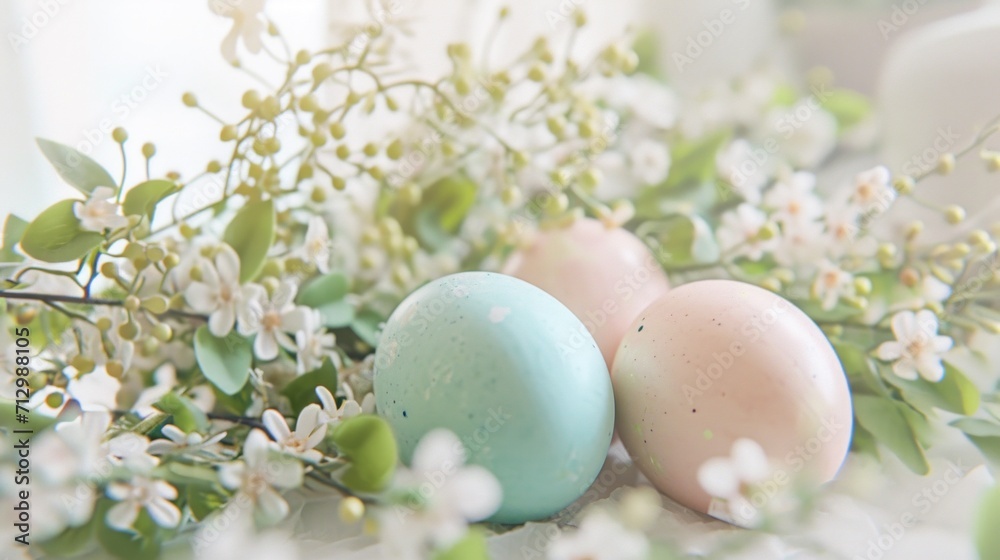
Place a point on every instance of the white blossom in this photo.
(313, 344)
(730, 480)
(193, 444)
(918, 348)
(740, 232)
(799, 243)
(461, 494)
(271, 318)
(872, 191)
(154, 495)
(742, 170)
(650, 162)
(77, 449)
(317, 247)
(218, 293)
(806, 134)
(258, 476)
(331, 413)
(600, 537)
(831, 284)
(248, 25)
(792, 199)
(309, 432)
(100, 212)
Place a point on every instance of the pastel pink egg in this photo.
(715, 361)
(606, 277)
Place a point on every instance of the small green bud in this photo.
(148, 150)
(337, 130)
(228, 133)
(156, 304)
(189, 99)
(395, 149)
(250, 99)
(120, 135)
(954, 214)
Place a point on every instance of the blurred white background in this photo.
(71, 70)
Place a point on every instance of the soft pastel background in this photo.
(935, 68)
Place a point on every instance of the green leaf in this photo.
(141, 200)
(251, 234)
(860, 370)
(862, 441)
(326, 295)
(985, 435)
(301, 392)
(693, 161)
(71, 542)
(235, 404)
(977, 427)
(683, 240)
(367, 442)
(76, 168)
(180, 474)
(848, 107)
(890, 425)
(442, 210)
(202, 503)
(954, 393)
(55, 235)
(645, 47)
(13, 230)
(470, 547)
(987, 523)
(186, 415)
(224, 361)
(142, 543)
(366, 326)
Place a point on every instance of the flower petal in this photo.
(163, 512)
(904, 326)
(326, 397)
(749, 460)
(118, 491)
(271, 506)
(227, 262)
(174, 433)
(718, 478)
(265, 346)
(439, 449)
(476, 492)
(231, 474)
(930, 368)
(905, 369)
(276, 425)
(941, 344)
(121, 516)
(222, 320)
(889, 351)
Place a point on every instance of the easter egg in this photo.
(717, 361)
(513, 373)
(605, 276)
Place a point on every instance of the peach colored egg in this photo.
(715, 361)
(604, 276)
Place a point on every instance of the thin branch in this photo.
(56, 298)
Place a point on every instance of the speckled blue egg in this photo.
(513, 373)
